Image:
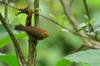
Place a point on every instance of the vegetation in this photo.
(49, 33)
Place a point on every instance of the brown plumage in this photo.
(36, 32)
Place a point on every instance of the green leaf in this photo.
(82, 64)
(10, 60)
(90, 57)
(64, 62)
(6, 40)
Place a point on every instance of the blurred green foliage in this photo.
(59, 43)
(9, 60)
(84, 58)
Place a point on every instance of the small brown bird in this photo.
(36, 32)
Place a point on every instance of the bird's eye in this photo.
(45, 33)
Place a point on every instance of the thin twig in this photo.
(75, 33)
(88, 14)
(32, 49)
(36, 20)
(36, 12)
(67, 11)
(79, 48)
(16, 44)
(6, 11)
(8, 5)
(74, 22)
(33, 42)
(85, 38)
(55, 22)
(89, 18)
(87, 9)
(45, 18)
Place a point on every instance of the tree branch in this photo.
(68, 12)
(16, 44)
(6, 11)
(87, 9)
(36, 12)
(32, 41)
(71, 18)
(74, 22)
(8, 5)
